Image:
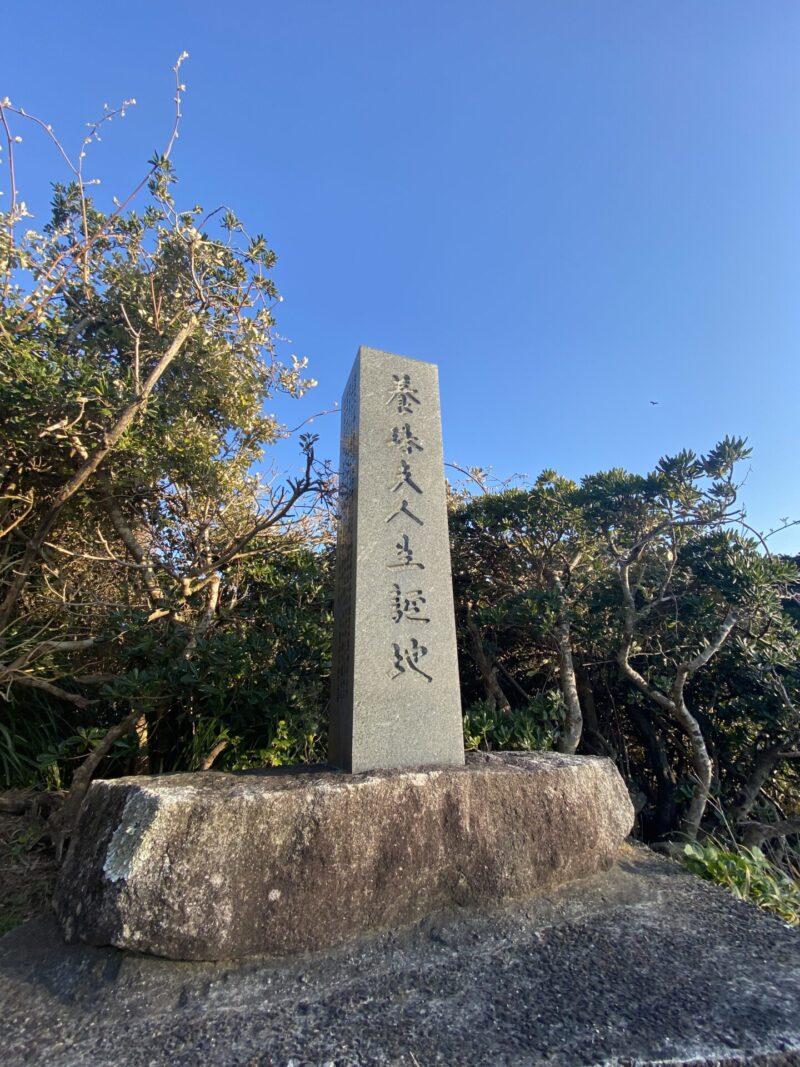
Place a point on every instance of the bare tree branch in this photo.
(757, 832)
(62, 824)
(34, 682)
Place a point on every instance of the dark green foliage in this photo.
(533, 561)
(532, 727)
(262, 682)
(259, 683)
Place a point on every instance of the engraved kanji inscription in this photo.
(403, 395)
(408, 658)
(408, 605)
(406, 478)
(405, 554)
(405, 509)
(406, 440)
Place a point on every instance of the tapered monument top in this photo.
(395, 698)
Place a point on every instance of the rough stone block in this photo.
(220, 866)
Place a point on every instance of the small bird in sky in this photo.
(654, 402)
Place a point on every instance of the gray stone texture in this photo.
(639, 965)
(395, 693)
(217, 866)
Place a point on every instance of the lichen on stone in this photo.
(130, 844)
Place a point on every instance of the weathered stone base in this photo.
(214, 866)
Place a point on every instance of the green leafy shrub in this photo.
(26, 734)
(748, 874)
(532, 727)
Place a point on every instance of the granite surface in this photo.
(643, 964)
(222, 866)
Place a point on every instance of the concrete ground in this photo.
(644, 964)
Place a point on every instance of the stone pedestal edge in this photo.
(218, 866)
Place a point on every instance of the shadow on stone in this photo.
(641, 964)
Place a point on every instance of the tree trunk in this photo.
(592, 738)
(703, 770)
(486, 667)
(573, 724)
(665, 803)
(763, 766)
(167, 738)
(674, 703)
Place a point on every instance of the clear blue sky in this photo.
(574, 208)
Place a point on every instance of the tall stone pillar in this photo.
(395, 698)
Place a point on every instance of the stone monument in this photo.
(214, 865)
(395, 695)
